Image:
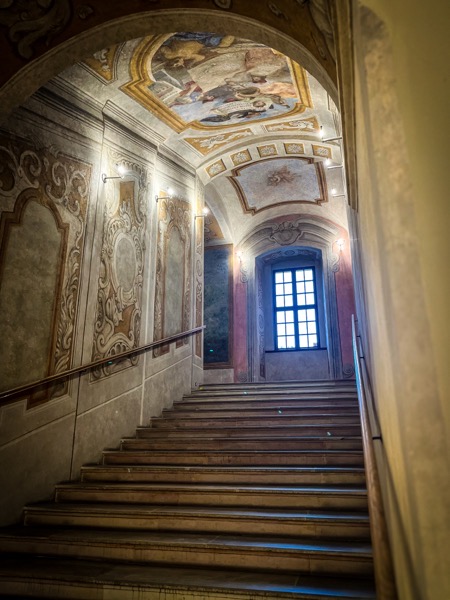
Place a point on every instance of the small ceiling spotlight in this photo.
(120, 169)
(169, 192)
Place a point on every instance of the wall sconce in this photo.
(331, 139)
(340, 243)
(240, 255)
(120, 169)
(205, 211)
(335, 194)
(168, 197)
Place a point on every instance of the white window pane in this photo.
(287, 276)
(312, 328)
(303, 341)
(280, 301)
(289, 301)
(281, 316)
(308, 274)
(291, 341)
(311, 313)
(300, 287)
(279, 289)
(309, 285)
(302, 328)
(288, 288)
(281, 329)
(289, 316)
(281, 342)
(299, 275)
(309, 298)
(278, 277)
(302, 315)
(301, 299)
(290, 330)
(312, 341)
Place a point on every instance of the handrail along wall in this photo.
(17, 392)
(384, 574)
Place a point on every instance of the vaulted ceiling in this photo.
(251, 122)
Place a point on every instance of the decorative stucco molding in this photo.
(119, 305)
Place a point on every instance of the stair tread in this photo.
(134, 576)
(171, 539)
(145, 509)
(185, 452)
(226, 468)
(345, 488)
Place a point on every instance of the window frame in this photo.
(295, 308)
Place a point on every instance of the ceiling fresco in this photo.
(257, 128)
(279, 181)
(204, 80)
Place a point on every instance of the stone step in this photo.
(310, 396)
(324, 497)
(43, 577)
(241, 403)
(273, 475)
(273, 443)
(284, 383)
(184, 412)
(279, 387)
(327, 430)
(235, 457)
(311, 524)
(191, 549)
(243, 421)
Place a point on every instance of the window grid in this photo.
(295, 309)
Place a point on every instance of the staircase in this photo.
(238, 492)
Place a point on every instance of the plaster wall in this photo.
(113, 295)
(402, 222)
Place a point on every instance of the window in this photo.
(296, 326)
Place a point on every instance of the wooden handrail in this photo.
(22, 389)
(384, 574)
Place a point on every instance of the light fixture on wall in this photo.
(240, 255)
(169, 192)
(340, 243)
(335, 194)
(205, 211)
(331, 139)
(120, 169)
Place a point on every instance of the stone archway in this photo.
(38, 48)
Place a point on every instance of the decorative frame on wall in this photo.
(278, 178)
(61, 184)
(172, 213)
(119, 297)
(222, 276)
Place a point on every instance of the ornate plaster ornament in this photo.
(119, 308)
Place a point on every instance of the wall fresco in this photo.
(218, 307)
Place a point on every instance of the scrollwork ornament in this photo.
(119, 310)
(243, 273)
(29, 22)
(335, 262)
(225, 4)
(348, 370)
